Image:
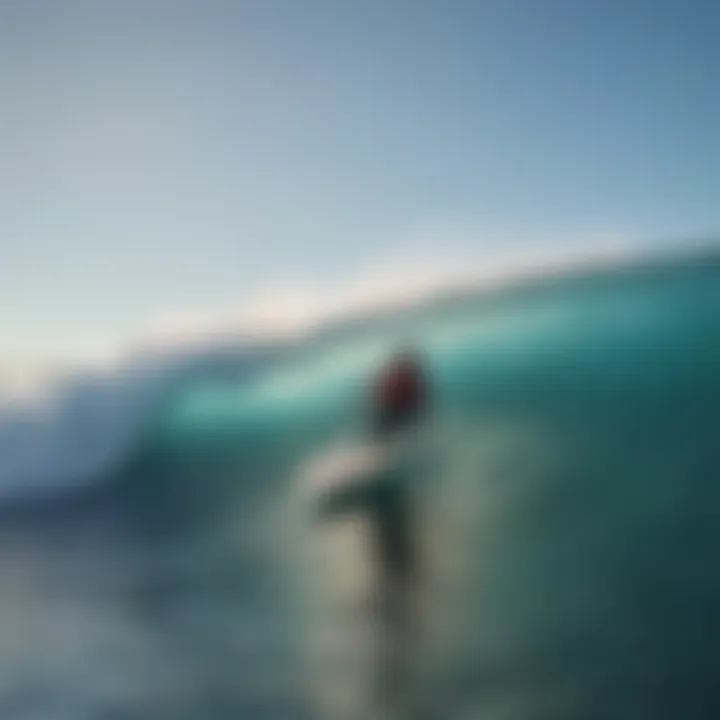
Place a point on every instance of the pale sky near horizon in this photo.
(161, 155)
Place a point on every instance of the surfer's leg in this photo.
(396, 645)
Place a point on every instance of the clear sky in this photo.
(160, 154)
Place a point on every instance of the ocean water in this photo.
(570, 525)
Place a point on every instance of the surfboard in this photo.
(344, 466)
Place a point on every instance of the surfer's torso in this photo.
(375, 479)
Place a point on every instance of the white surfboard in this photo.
(341, 466)
(350, 467)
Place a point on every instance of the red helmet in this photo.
(401, 385)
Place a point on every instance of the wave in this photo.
(94, 420)
(576, 493)
(576, 496)
(591, 344)
(99, 424)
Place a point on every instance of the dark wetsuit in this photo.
(390, 506)
(400, 399)
(386, 500)
(398, 404)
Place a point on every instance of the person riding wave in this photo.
(383, 491)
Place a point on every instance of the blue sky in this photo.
(160, 155)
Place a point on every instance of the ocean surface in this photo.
(571, 525)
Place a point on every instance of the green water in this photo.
(576, 505)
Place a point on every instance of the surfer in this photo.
(398, 403)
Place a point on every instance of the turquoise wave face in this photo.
(636, 349)
(575, 516)
(613, 336)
